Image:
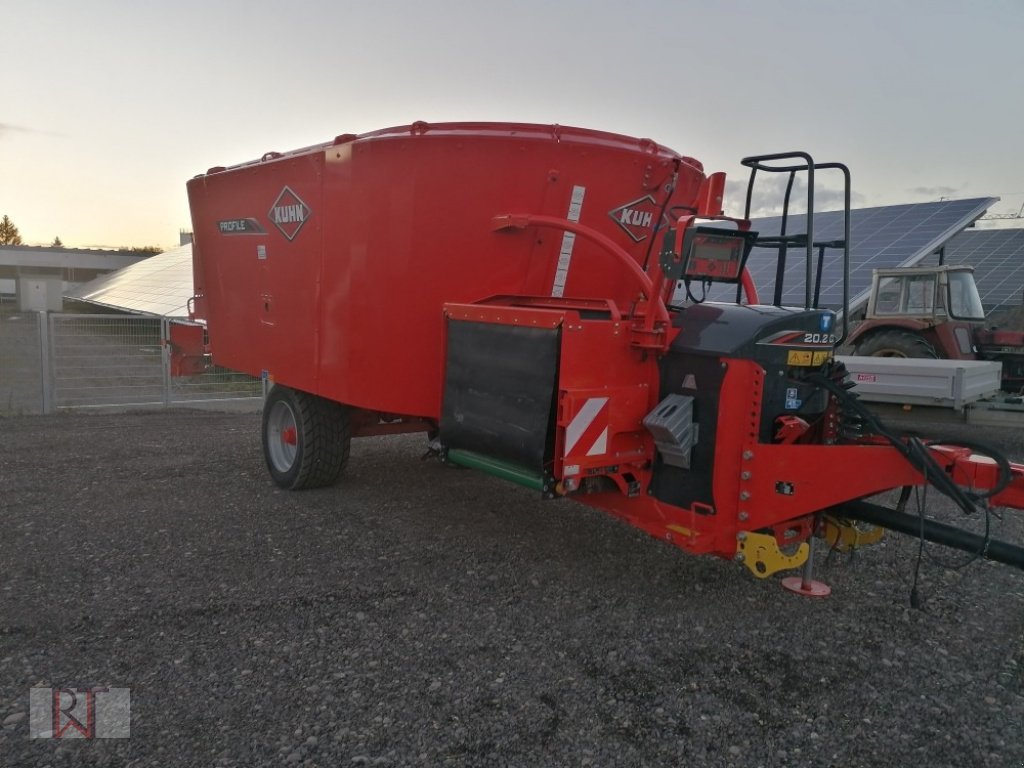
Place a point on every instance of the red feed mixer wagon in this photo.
(533, 298)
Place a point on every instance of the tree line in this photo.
(9, 235)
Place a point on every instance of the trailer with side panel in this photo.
(506, 288)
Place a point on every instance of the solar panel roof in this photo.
(997, 256)
(881, 237)
(160, 285)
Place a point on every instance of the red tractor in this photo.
(935, 312)
(505, 289)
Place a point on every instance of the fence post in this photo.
(46, 361)
(165, 351)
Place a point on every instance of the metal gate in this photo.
(50, 362)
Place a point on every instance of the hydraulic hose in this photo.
(916, 452)
(934, 531)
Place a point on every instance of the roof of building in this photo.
(67, 258)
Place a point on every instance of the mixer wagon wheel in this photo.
(305, 438)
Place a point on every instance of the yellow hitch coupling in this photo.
(761, 553)
(847, 535)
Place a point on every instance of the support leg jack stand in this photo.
(805, 584)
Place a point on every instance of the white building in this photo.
(38, 277)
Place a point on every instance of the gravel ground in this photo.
(421, 615)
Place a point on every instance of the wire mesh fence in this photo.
(21, 368)
(106, 360)
(215, 384)
(66, 361)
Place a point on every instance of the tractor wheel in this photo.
(896, 344)
(305, 439)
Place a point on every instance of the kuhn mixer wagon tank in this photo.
(507, 288)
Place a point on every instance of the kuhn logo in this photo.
(289, 213)
(636, 217)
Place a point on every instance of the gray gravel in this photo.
(420, 615)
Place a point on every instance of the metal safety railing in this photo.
(51, 362)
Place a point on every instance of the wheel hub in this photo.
(282, 436)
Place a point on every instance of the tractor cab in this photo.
(931, 312)
(935, 312)
(930, 295)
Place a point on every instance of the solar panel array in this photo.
(160, 285)
(997, 256)
(882, 237)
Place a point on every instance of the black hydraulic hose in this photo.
(916, 452)
(934, 531)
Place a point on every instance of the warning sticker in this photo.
(800, 357)
(807, 357)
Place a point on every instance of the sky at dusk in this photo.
(109, 107)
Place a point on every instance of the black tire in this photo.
(896, 344)
(306, 439)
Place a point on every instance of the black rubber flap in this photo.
(499, 387)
